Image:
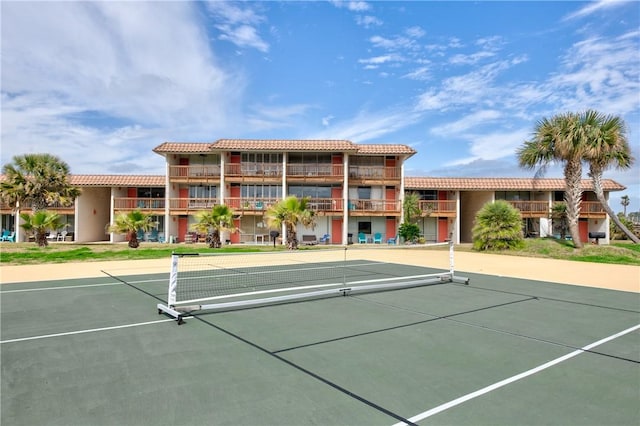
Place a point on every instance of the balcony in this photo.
(322, 206)
(438, 208)
(194, 173)
(240, 172)
(178, 206)
(315, 172)
(53, 207)
(250, 205)
(374, 207)
(531, 208)
(144, 204)
(374, 174)
(592, 209)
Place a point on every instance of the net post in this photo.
(173, 280)
(451, 258)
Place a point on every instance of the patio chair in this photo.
(5, 234)
(362, 238)
(11, 237)
(61, 236)
(392, 240)
(153, 235)
(325, 239)
(377, 238)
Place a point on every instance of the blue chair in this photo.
(377, 238)
(392, 240)
(325, 239)
(362, 238)
(10, 237)
(5, 234)
(153, 235)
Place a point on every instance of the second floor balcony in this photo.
(374, 173)
(438, 208)
(194, 173)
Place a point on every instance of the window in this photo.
(261, 191)
(203, 191)
(364, 227)
(364, 192)
(310, 191)
(150, 192)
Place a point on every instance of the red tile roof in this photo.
(501, 184)
(183, 147)
(117, 180)
(385, 149)
(283, 145)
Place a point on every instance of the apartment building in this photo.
(353, 188)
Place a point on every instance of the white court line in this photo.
(515, 378)
(71, 287)
(93, 330)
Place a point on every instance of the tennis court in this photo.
(498, 350)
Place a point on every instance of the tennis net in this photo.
(227, 281)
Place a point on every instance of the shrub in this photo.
(409, 231)
(498, 226)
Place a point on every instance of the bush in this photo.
(409, 231)
(498, 226)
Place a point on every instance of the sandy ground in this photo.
(616, 277)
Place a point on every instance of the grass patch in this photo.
(617, 253)
(624, 253)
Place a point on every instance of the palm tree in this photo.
(498, 226)
(38, 223)
(219, 218)
(132, 222)
(559, 215)
(411, 207)
(560, 140)
(607, 146)
(625, 201)
(289, 213)
(40, 180)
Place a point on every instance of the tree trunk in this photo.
(41, 239)
(573, 198)
(596, 178)
(133, 240)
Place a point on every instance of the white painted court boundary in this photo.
(93, 330)
(515, 378)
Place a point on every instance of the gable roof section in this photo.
(502, 184)
(284, 145)
(384, 149)
(117, 180)
(183, 147)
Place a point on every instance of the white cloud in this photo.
(593, 7)
(492, 146)
(239, 24)
(99, 85)
(368, 21)
(466, 122)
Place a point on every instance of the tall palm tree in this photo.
(219, 219)
(289, 213)
(411, 207)
(39, 223)
(606, 146)
(625, 201)
(40, 180)
(559, 139)
(132, 222)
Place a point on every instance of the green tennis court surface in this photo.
(496, 351)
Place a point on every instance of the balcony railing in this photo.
(194, 171)
(133, 203)
(437, 206)
(374, 172)
(537, 208)
(390, 206)
(192, 203)
(315, 170)
(253, 169)
(240, 204)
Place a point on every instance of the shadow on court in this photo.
(497, 351)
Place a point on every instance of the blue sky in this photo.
(100, 84)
